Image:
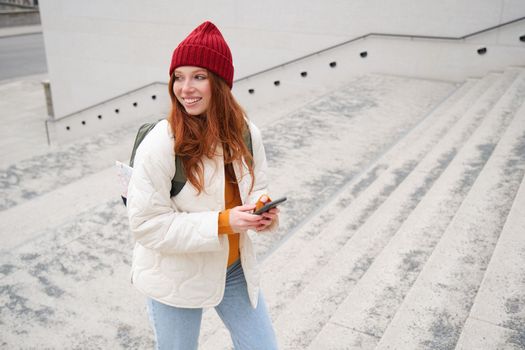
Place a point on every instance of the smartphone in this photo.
(269, 206)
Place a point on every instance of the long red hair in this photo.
(199, 136)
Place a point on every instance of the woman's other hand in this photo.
(242, 219)
(267, 218)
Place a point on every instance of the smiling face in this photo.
(192, 88)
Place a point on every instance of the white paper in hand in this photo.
(123, 176)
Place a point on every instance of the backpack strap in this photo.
(141, 134)
(248, 139)
(179, 180)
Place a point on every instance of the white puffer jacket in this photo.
(179, 258)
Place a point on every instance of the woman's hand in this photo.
(267, 218)
(242, 219)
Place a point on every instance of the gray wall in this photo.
(99, 49)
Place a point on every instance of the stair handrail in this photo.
(381, 35)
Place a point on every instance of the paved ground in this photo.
(22, 105)
(21, 52)
(20, 30)
(22, 113)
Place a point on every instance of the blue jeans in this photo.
(178, 328)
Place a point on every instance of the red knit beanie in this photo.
(205, 47)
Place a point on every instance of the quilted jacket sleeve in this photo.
(154, 222)
(260, 171)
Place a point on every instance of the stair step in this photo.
(33, 177)
(335, 336)
(481, 335)
(56, 207)
(372, 303)
(331, 285)
(497, 317)
(435, 309)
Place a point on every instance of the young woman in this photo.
(194, 250)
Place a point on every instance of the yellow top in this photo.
(232, 198)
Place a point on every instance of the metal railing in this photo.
(381, 35)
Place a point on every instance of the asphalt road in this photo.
(22, 55)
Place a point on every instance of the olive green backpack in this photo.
(179, 180)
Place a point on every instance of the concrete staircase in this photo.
(395, 260)
(418, 291)
(398, 192)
